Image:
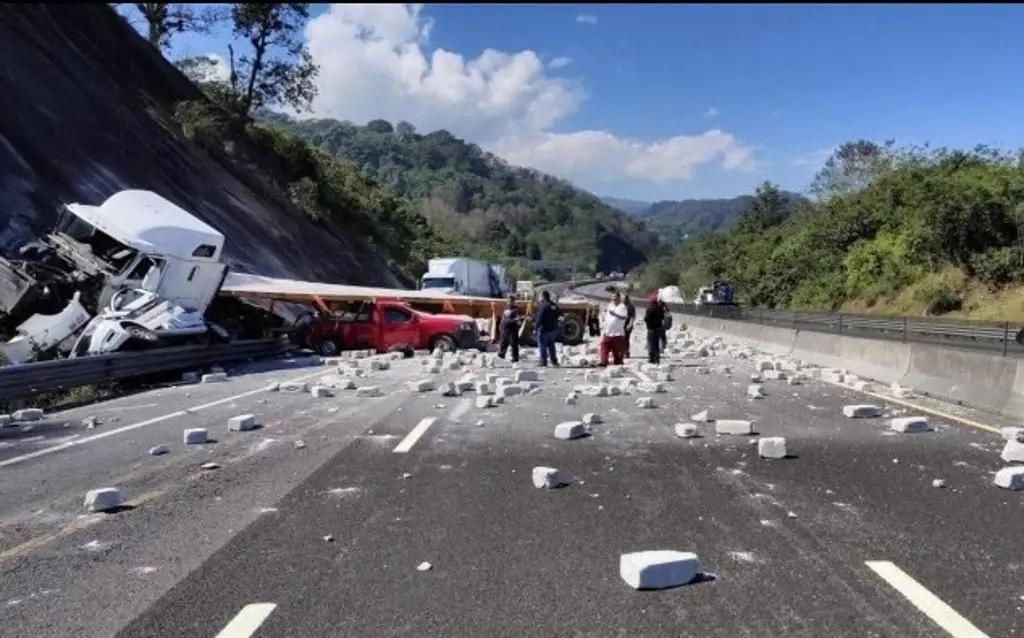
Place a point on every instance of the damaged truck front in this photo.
(135, 272)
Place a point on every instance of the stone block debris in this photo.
(703, 416)
(569, 430)
(158, 450)
(659, 569)
(294, 387)
(645, 403)
(755, 391)
(687, 430)
(1012, 434)
(547, 478)
(486, 401)
(740, 427)
(1010, 478)
(103, 499)
(592, 418)
(1013, 452)
(321, 392)
(910, 424)
(526, 375)
(214, 377)
(422, 385)
(370, 391)
(771, 447)
(863, 411)
(242, 423)
(195, 436)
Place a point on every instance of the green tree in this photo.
(162, 20)
(261, 79)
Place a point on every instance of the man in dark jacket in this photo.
(654, 319)
(545, 325)
(630, 320)
(509, 329)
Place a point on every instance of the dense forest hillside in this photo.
(902, 231)
(496, 208)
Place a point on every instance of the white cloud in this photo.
(586, 18)
(559, 63)
(375, 63)
(711, 112)
(218, 70)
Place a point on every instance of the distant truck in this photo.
(466, 277)
(719, 293)
(390, 326)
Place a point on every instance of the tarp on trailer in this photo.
(304, 292)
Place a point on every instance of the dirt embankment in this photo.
(84, 113)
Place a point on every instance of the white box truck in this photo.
(464, 276)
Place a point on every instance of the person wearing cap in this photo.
(654, 319)
(509, 329)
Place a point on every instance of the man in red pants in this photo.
(613, 338)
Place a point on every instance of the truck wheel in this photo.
(444, 342)
(573, 330)
(329, 348)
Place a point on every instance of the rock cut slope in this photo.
(84, 113)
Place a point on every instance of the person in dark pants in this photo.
(630, 320)
(545, 325)
(509, 329)
(654, 319)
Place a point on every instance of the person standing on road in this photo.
(631, 312)
(545, 325)
(509, 329)
(654, 319)
(613, 339)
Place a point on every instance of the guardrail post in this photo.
(1006, 337)
(839, 323)
(904, 329)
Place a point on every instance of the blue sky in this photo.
(674, 101)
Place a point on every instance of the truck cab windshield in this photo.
(439, 283)
(103, 246)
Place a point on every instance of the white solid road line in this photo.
(142, 424)
(247, 621)
(931, 605)
(414, 435)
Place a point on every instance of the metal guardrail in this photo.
(983, 336)
(20, 381)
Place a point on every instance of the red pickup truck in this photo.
(390, 326)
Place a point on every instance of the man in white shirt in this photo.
(613, 339)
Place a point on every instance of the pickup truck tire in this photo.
(329, 348)
(445, 342)
(573, 330)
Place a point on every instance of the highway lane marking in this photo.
(461, 408)
(414, 435)
(928, 603)
(141, 424)
(247, 621)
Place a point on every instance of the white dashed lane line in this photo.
(414, 435)
(928, 603)
(247, 621)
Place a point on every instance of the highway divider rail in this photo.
(26, 380)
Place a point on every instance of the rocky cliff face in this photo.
(84, 104)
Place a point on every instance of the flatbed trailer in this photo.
(578, 315)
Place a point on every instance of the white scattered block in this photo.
(593, 390)
(910, 424)
(592, 418)
(510, 390)
(1013, 452)
(764, 365)
(547, 478)
(377, 364)
(653, 387)
(658, 569)
(190, 377)
(484, 388)
(486, 401)
(570, 430)
(734, 426)
(795, 380)
(321, 391)
(527, 375)
(645, 403)
(242, 423)
(754, 391)
(771, 447)
(687, 430)
(1010, 478)
(28, 414)
(214, 377)
(571, 398)
(370, 391)
(663, 376)
(864, 411)
(1012, 434)
(449, 390)
(104, 499)
(701, 417)
(195, 436)
(423, 385)
(294, 386)
(776, 375)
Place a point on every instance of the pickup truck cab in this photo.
(389, 326)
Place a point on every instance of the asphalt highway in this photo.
(849, 537)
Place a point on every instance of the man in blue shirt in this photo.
(546, 326)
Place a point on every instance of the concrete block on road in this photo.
(527, 375)
(687, 430)
(592, 390)
(645, 403)
(910, 424)
(28, 414)
(449, 390)
(771, 447)
(484, 388)
(510, 390)
(547, 478)
(571, 398)
(569, 430)
(158, 450)
(321, 392)
(214, 377)
(755, 391)
(863, 411)
(653, 388)
(1010, 478)
(740, 427)
(658, 569)
(424, 385)
(103, 499)
(377, 364)
(1012, 434)
(294, 387)
(1013, 452)
(775, 375)
(703, 416)
(486, 401)
(242, 423)
(195, 436)
(370, 391)
(592, 418)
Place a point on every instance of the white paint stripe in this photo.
(931, 605)
(141, 424)
(414, 435)
(247, 621)
(461, 408)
